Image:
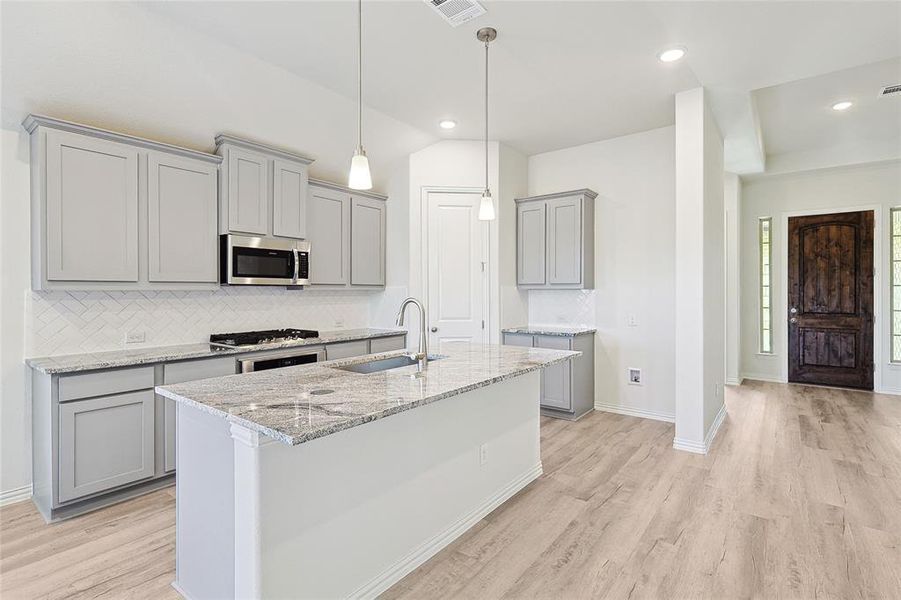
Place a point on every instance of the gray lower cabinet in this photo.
(346, 349)
(555, 241)
(567, 388)
(105, 443)
(347, 234)
(387, 344)
(116, 212)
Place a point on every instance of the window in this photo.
(765, 236)
(896, 284)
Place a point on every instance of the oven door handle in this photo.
(296, 264)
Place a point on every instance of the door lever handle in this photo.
(793, 320)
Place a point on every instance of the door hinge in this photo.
(483, 323)
(483, 266)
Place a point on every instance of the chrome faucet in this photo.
(423, 355)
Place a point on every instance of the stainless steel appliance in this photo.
(267, 336)
(271, 360)
(288, 358)
(249, 260)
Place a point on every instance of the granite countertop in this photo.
(302, 403)
(550, 330)
(72, 363)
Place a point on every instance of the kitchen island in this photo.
(317, 481)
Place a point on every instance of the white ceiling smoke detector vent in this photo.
(457, 12)
(891, 90)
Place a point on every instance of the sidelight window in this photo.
(765, 236)
(896, 284)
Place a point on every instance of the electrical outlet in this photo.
(634, 376)
(483, 454)
(339, 323)
(135, 337)
(632, 321)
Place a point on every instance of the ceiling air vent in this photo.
(457, 12)
(891, 90)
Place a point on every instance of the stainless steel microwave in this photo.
(249, 260)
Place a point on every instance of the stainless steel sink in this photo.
(385, 364)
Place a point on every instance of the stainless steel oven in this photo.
(277, 360)
(263, 261)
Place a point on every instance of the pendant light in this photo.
(486, 205)
(359, 178)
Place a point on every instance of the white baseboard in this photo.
(15, 495)
(734, 381)
(635, 412)
(431, 547)
(702, 447)
(763, 377)
(888, 391)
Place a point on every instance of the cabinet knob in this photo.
(434, 329)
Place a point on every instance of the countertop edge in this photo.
(542, 331)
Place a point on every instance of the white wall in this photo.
(875, 185)
(634, 265)
(732, 204)
(700, 272)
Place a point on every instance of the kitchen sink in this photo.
(385, 364)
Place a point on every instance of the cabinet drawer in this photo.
(346, 349)
(553, 342)
(192, 370)
(101, 383)
(387, 344)
(518, 339)
(105, 443)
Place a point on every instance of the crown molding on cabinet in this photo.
(225, 138)
(31, 122)
(343, 188)
(583, 192)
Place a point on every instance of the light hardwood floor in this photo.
(800, 497)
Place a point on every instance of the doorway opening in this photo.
(831, 299)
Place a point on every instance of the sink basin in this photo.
(385, 364)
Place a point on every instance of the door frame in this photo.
(780, 306)
(491, 269)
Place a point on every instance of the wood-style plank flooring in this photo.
(800, 497)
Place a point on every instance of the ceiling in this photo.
(567, 73)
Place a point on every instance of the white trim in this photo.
(703, 447)
(782, 300)
(431, 547)
(635, 412)
(15, 495)
(762, 377)
(734, 380)
(180, 590)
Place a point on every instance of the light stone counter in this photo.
(550, 330)
(299, 404)
(73, 363)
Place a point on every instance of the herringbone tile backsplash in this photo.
(73, 322)
(562, 307)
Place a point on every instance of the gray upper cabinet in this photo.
(328, 222)
(367, 241)
(263, 189)
(555, 241)
(347, 234)
(181, 202)
(116, 212)
(91, 209)
(289, 199)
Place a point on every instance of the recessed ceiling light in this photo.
(671, 54)
(843, 105)
(447, 124)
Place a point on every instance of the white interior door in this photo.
(457, 268)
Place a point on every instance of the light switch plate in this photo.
(135, 337)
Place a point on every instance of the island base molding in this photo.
(349, 514)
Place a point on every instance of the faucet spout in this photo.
(423, 355)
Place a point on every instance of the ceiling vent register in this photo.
(891, 90)
(457, 12)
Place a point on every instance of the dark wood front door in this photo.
(830, 299)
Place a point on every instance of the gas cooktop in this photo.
(252, 338)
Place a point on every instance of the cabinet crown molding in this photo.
(226, 138)
(582, 192)
(32, 122)
(343, 188)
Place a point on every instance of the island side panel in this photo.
(205, 506)
(352, 513)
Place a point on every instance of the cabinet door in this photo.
(92, 209)
(248, 192)
(518, 339)
(104, 443)
(367, 242)
(530, 243)
(328, 227)
(564, 240)
(289, 199)
(556, 380)
(181, 203)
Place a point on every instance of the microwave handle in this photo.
(296, 264)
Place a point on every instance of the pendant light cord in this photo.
(360, 74)
(486, 115)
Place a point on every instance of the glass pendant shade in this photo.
(359, 178)
(486, 207)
